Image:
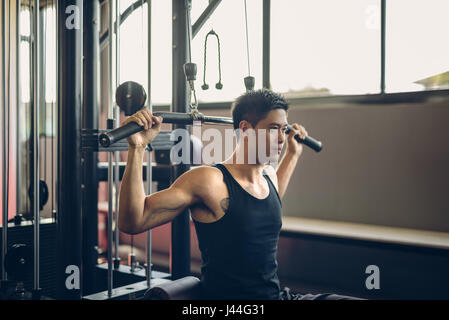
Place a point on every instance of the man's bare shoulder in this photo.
(204, 176)
(204, 182)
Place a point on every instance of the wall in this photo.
(383, 164)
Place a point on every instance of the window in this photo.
(49, 25)
(228, 21)
(133, 49)
(417, 50)
(325, 47)
(25, 55)
(48, 112)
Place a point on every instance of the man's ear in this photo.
(244, 125)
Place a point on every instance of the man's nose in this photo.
(281, 137)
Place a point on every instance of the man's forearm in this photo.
(132, 194)
(285, 170)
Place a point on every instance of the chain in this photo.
(212, 32)
(194, 105)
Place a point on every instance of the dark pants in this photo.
(286, 294)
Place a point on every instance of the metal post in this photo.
(70, 82)
(36, 108)
(149, 157)
(116, 125)
(90, 159)
(266, 44)
(382, 45)
(110, 154)
(110, 218)
(213, 4)
(180, 250)
(4, 145)
(18, 102)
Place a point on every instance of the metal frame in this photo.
(149, 171)
(4, 144)
(180, 228)
(213, 4)
(69, 219)
(128, 11)
(116, 259)
(111, 109)
(89, 160)
(18, 103)
(36, 112)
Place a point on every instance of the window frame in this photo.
(379, 98)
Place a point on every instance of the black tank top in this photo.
(239, 250)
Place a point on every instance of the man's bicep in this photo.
(163, 206)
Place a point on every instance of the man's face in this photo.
(270, 132)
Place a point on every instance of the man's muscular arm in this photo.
(137, 212)
(284, 172)
(288, 162)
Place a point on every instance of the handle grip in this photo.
(308, 141)
(174, 117)
(112, 136)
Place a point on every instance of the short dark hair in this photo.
(253, 106)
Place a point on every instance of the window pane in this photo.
(325, 47)
(25, 55)
(124, 4)
(25, 71)
(234, 68)
(25, 22)
(228, 21)
(50, 54)
(133, 50)
(417, 50)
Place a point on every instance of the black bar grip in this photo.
(308, 141)
(214, 119)
(175, 117)
(110, 137)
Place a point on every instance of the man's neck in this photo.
(247, 171)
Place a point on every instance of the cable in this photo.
(205, 86)
(52, 147)
(7, 110)
(141, 26)
(44, 67)
(218, 85)
(189, 29)
(189, 67)
(27, 116)
(53, 204)
(247, 40)
(249, 80)
(17, 109)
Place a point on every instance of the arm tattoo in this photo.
(224, 203)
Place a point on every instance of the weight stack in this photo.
(23, 233)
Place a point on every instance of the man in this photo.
(235, 205)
